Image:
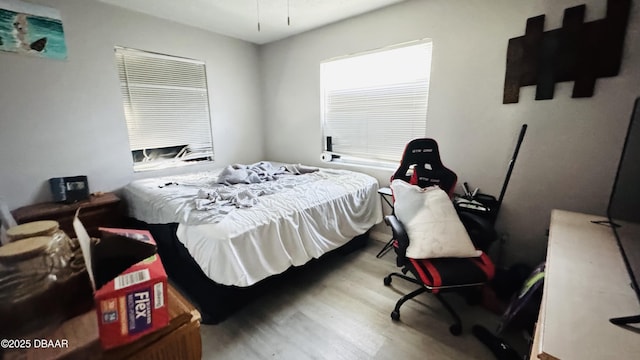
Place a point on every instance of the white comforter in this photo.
(298, 217)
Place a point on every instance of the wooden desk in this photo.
(586, 284)
(178, 340)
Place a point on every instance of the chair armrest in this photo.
(481, 231)
(400, 235)
(399, 232)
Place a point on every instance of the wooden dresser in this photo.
(586, 284)
(98, 211)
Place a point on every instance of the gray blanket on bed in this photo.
(220, 200)
(249, 174)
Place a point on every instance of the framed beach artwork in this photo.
(31, 29)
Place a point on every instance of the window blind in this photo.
(166, 102)
(374, 104)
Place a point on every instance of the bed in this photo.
(226, 235)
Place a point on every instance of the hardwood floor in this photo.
(339, 308)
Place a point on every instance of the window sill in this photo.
(163, 165)
(365, 163)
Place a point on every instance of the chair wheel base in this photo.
(387, 281)
(455, 329)
(395, 315)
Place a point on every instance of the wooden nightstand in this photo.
(104, 210)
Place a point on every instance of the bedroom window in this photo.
(374, 103)
(166, 105)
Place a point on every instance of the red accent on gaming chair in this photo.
(439, 274)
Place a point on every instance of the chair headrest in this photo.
(422, 156)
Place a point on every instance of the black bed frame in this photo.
(215, 301)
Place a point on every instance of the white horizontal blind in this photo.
(374, 104)
(166, 102)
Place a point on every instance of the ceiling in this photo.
(239, 18)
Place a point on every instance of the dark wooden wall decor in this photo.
(578, 51)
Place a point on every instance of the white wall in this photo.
(572, 147)
(60, 118)
(63, 118)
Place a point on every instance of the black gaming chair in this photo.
(421, 165)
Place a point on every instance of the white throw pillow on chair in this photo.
(431, 222)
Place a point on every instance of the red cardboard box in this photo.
(135, 302)
(131, 285)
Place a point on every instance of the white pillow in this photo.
(431, 222)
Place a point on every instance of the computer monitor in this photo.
(624, 208)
